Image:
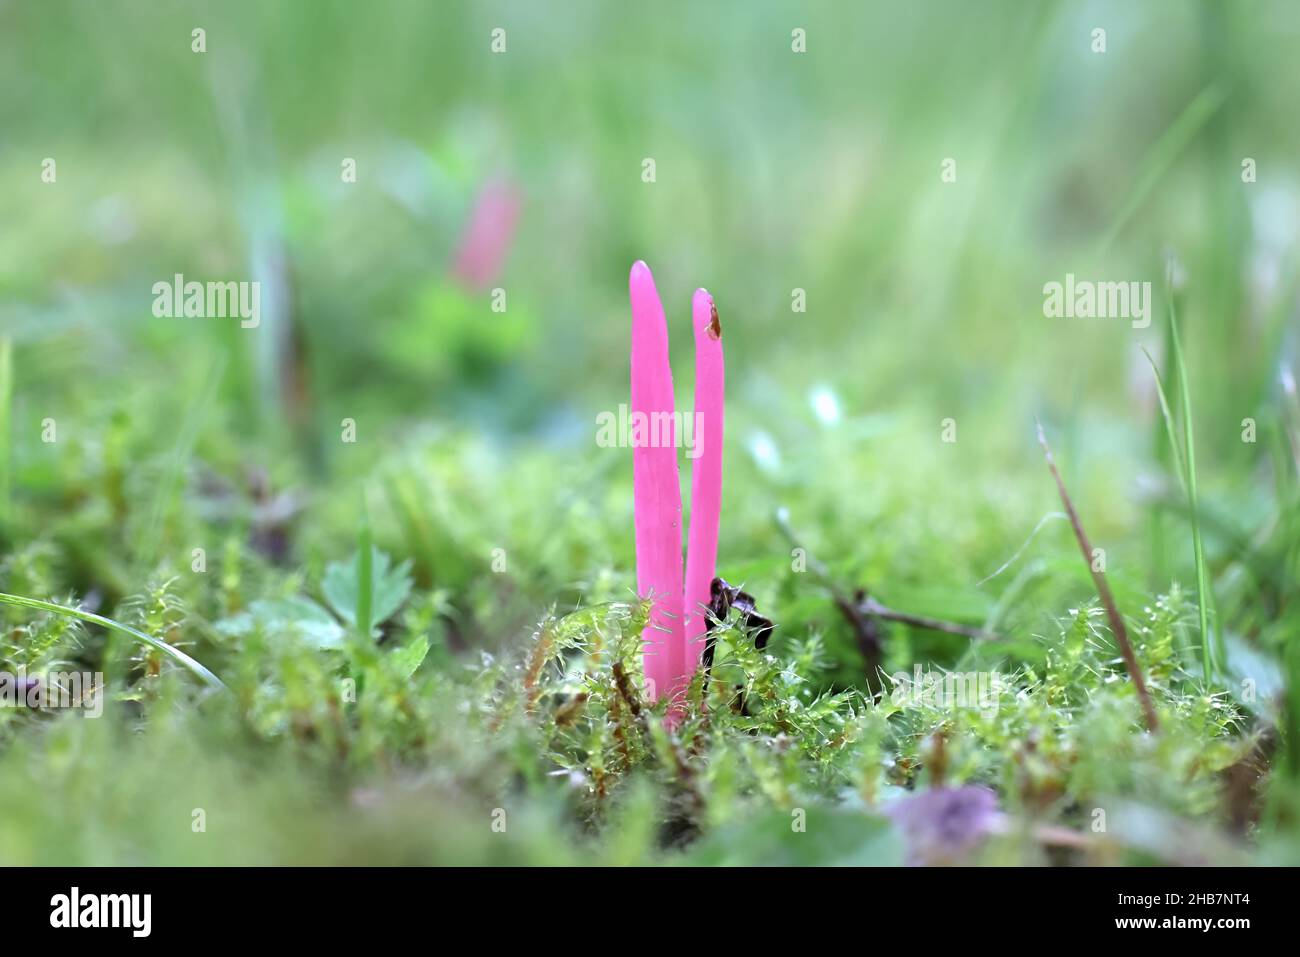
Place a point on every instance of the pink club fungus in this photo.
(675, 633)
(487, 236)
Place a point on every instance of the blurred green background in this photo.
(776, 171)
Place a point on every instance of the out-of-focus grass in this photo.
(6, 404)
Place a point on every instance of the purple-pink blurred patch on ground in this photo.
(487, 237)
(943, 825)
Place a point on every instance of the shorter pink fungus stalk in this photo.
(674, 638)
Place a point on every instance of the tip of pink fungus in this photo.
(704, 304)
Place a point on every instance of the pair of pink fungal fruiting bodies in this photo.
(675, 633)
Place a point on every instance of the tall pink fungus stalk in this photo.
(674, 634)
(487, 236)
(657, 496)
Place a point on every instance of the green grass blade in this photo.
(1163, 155)
(175, 653)
(365, 573)
(1170, 429)
(1203, 597)
(1291, 710)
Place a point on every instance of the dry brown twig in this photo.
(1103, 591)
(860, 610)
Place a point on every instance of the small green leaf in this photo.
(391, 586)
(300, 616)
(410, 656)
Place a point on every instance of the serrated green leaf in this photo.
(392, 585)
